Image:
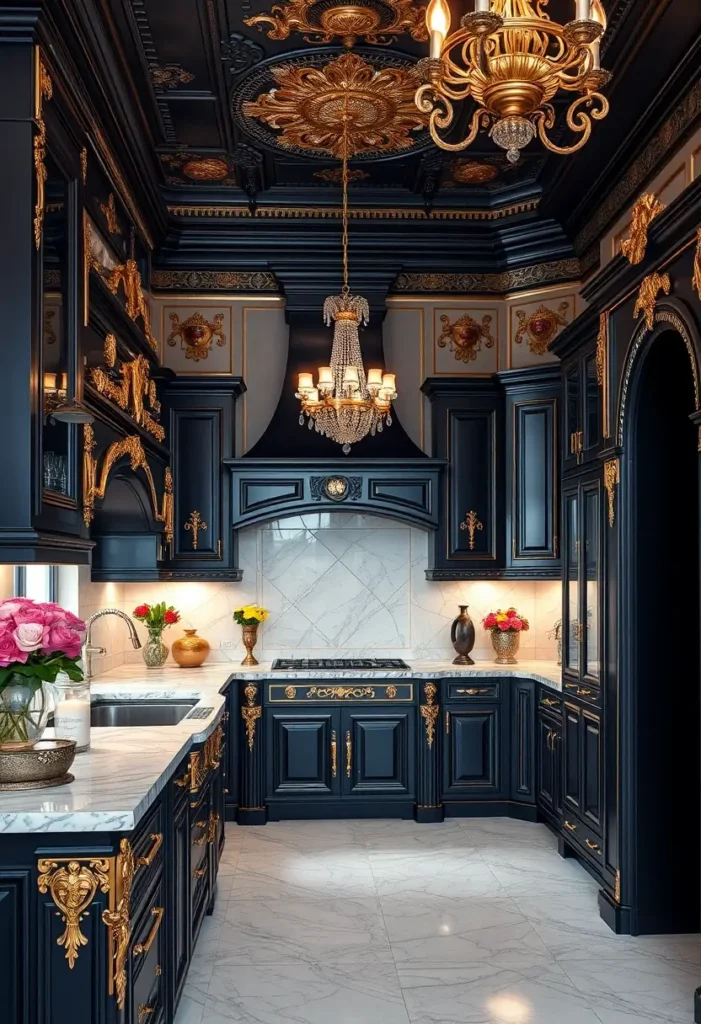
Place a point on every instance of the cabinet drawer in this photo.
(199, 835)
(586, 692)
(473, 691)
(148, 957)
(583, 837)
(148, 858)
(550, 703)
(181, 783)
(361, 691)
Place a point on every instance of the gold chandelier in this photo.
(511, 59)
(345, 405)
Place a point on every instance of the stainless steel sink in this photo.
(124, 713)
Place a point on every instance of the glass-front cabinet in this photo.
(583, 435)
(582, 518)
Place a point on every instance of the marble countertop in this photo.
(118, 779)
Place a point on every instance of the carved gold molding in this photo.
(129, 277)
(196, 334)
(650, 288)
(90, 262)
(117, 920)
(696, 279)
(617, 887)
(135, 384)
(347, 103)
(379, 213)
(194, 524)
(430, 711)
(110, 350)
(377, 22)
(540, 327)
(602, 373)
(340, 692)
(44, 90)
(84, 165)
(251, 713)
(465, 336)
(536, 276)
(645, 210)
(471, 524)
(611, 479)
(110, 211)
(72, 885)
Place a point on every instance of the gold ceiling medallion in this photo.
(334, 175)
(650, 288)
(72, 886)
(430, 711)
(696, 280)
(611, 478)
(44, 90)
(170, 76)
(465, 336)
(541, 326)
(128, 276)
(194, 524)
(196, 335)
(317, 108)
(645, 210)
(511, 59)
(471, 524)
(378, 22)
(110, 212)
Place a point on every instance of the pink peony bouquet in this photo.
(508, 621)
(39, 641)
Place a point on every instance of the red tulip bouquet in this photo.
(156, 618)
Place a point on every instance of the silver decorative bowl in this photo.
(44, 764)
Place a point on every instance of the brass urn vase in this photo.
(505, 644)
(462, 637)
(250, 638)
(191, 650)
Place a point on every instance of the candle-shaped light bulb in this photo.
(595, 48)
(374, 378)
(582, 10)
(306, 381)
(597, 14)
(482, 6)
(325, 375)
(388, 382)
(438, 24)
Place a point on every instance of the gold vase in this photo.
(250, 636)
(191, 650)
(505, 646)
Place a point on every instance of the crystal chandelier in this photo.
(345, 405)
(511, 59)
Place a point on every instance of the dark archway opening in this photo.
(666, 642)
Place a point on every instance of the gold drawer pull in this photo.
(334, 755)
(570, 826)
(142, 948)
(199, 872)
(584, 693)
(593, 846)
(183, 781)
(147, 861)
(143, 1013)
(571, 686)
(349, 755)
(204, 825)
(548, 739)
(474, 691)
(550, 703)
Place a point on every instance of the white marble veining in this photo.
(356, 921)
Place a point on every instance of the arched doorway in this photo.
(660, 576)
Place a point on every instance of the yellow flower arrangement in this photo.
(250, 615)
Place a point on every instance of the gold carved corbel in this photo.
(72, 885)
(128, 275)
(250, 713)
(430, 712)
(117, 920)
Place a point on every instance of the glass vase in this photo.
(24, 710)
(155, 652)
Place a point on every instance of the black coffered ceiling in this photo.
(191, 62)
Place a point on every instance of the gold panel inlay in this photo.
(540, 327)
(194, 524)
(319, 108)
(465, 336)
(72, 886)
(645, 210)
(340, 692)
(471, 524)
(375, 23)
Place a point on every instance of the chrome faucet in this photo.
(88, 650)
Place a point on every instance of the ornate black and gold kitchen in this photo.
(286, 321)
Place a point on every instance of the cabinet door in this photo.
(305, 753)
(523, 762)
(196, 443)
(556, 750)
(571, 625)
(14, 946)
(534, 485)
(472, 751)
(180, 899)
(591, 770)
(472, 450)
(378, 753)
(572, 758)
(591, 567)
(546, 764)
(573, 412)
(591, 413)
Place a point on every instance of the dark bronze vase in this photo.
(462, 635)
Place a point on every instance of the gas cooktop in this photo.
(317, 664)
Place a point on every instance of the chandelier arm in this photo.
(577, 120)
(438, 120)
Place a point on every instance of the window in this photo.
(40, 582)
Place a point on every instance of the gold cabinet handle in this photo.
(142, 948)
(473, 690)
(143, 1013)
(334, 755)
(570, 826)
(349, 755)
(581, 692)
(204, 826)
(593, 846)
(157, 839)
(213, 825)
(571, 686)
(199, 872)
(447, 722)
(550, 703)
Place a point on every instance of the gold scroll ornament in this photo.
(251, 713)
(194, 524)
(650, 287)
(645, 210)
(135, 384)
(44, 90)
(465, 336)
(128, 276)
(430, 711)
(376, 24)
(196, 335)
(540, 327)
(471, 524)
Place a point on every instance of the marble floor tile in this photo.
(278, 931)
(431, 930)
(452, 874)
(498, 832)
(306, 994)
(403, 836)
(303, 836)
(189, 1011)
(320, 874)
(536, 991)
(533, 870)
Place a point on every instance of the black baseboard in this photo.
(336, 810)
(490, 809)
(252, 815)
(429, 815)
(614, 915)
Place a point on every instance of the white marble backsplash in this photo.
(336, 584)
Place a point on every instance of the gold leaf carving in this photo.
(650, 288)
(465, 336)
(128, 276)
(611, 478)
(110, 211)
(72, 887)
(645, 210)
(196, 335)
(117, 920)
(540, 327)
(349, 22)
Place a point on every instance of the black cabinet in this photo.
(200, 417)
(304, 748)
(549, 744)
(583, 596)
(472, 751)
(582, 408)
(523, 741)
(379, 753)
(532, 459)
(582, 780)
(180, 892)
